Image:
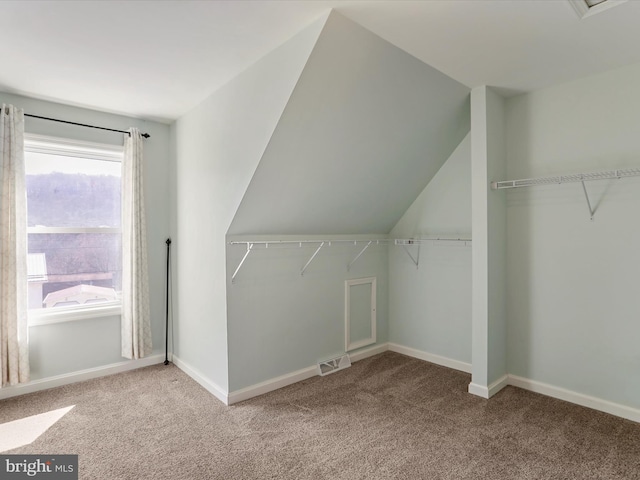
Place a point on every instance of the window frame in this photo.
(34, 143)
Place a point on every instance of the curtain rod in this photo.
(145, 135)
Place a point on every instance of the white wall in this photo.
(72, 346)
(218, 146)
(573, 302)
(430, 306)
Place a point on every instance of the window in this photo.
(586, 8)
(73, 227)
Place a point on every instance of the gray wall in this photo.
(573, 302)
(497, 234)
(430, 306)
(571, 283)
(71, 346)
(280, 321)
(218, 147)
(364, 131)
(489, 358)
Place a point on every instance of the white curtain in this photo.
(14, 347)
(136, 315)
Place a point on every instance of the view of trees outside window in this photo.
(74, 240)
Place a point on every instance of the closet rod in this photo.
(420, 241)
(377, 241)
(408, 242)
(571, 178)
(145, 135)
(307, 243)
(318, 244)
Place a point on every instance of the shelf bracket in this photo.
(415, 260)
(586, 195)
(311, 259)
(249, 248)
(358, 256)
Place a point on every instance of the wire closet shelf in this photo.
(571, 178)
(253, 245)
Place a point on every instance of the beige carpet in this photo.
(389, 416)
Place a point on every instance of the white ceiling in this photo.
(159, 59)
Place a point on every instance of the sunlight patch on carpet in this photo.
(26, 430)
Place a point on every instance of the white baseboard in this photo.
(430, 357)
(368, 352)
(272, 384)
(478, 390)
(208, 385)
(79, 376)
(577, 398)
(293, 377)
(606, 406)
(498, 385)
(297, 376)
(491, 390)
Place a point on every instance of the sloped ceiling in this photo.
(365, 130)
(219, 144)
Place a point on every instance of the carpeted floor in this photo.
(388, 416)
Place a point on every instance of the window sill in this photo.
(60, 315)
